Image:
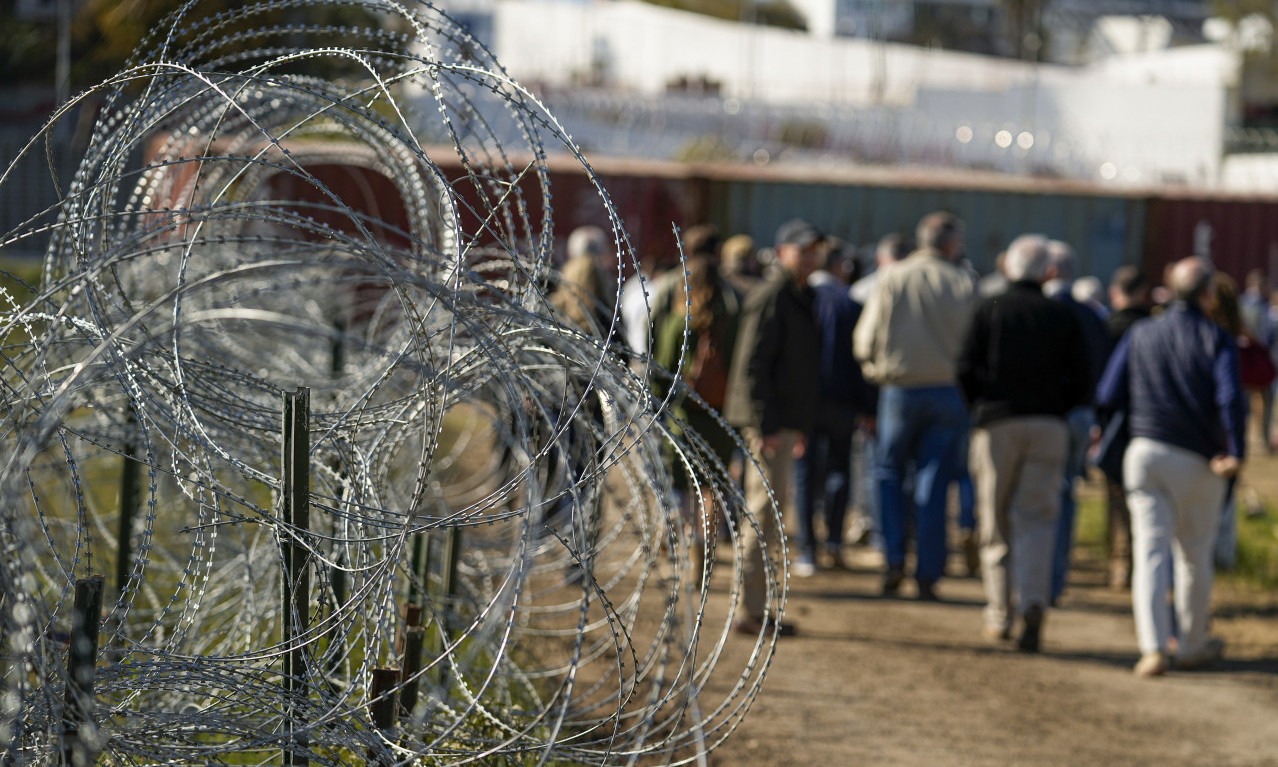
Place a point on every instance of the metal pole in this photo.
(296, 491)
(417, 585)
(452, 553)
(79, 733)
(383, 707)
(130, 490)
(414, 641)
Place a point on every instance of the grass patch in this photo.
(1257, 540)
(1257, 550)
(1091, 527)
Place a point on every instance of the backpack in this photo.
(707, 373)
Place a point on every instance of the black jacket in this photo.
(776, 370)
(1024, 355)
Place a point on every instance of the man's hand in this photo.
(1226, 466)
(1093, 443)
(868, 424)
(772, 443)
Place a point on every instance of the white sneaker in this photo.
(1152, 664)
(804, 568)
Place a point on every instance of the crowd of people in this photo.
(1009, 385)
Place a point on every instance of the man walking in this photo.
(907, 340)
(1022, 369)
(773, 394)
(822, 474)
(1059, 287)
(1177, 376)
(1129, 298)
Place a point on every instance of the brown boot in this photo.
(971, 548)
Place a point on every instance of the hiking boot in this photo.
(834, 558)
(927, 591)
(757, 626)
(1031, 632)
(1211, 654)
(892, 581)
(1152, 664)
(971, 553)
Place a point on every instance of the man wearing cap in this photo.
(773, 394)
(907, 341)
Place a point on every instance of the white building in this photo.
(1136, 118)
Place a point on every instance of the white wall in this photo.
(1138, 119)
(1256, 173)
(648, 46)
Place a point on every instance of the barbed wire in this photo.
(491, 517)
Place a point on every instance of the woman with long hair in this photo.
(707, 308)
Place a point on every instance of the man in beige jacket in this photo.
(907, 341)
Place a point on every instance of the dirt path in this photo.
(899, 682)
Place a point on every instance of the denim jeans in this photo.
(963, 478)
(1081, 420)
(822, 476)
(920, 425)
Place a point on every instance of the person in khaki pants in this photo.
(773, 395)
(1023, 367)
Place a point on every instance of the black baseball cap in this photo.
(796, 231)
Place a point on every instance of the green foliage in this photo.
(809, 134)
(1091, 526)
(26, 49)
(1257, 549)
(775, 13)
(104, 34)
(707, 148)
(1257, 541)
(779, 13)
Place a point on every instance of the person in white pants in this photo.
(1174, 499)
(1177, 379)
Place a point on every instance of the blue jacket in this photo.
(1096, 339)
(841, 379)
(1177, 377)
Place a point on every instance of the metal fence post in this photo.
(79, 732)
(296, 491)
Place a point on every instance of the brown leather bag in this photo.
(707, 373)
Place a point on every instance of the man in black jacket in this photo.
(1023, 367)
(1061, 272)
(1129, 298)
(773, 395)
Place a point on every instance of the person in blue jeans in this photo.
(1096, 340)
(822, 475)
(907, 340)
(968, 537)
(924, 425)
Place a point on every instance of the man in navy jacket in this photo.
(1177, 377)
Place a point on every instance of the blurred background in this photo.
(1139, 130)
